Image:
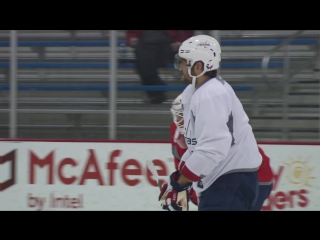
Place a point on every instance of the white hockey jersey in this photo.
(218, 134)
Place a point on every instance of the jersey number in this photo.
(191, 141)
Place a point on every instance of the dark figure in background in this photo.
(154, 49)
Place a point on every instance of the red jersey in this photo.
(175, 35)
(265, 171)
(177, 150)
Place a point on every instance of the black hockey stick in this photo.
(154, 172)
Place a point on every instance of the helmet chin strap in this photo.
(194, 78)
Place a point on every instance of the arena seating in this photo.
(63, 85)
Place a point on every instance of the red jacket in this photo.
(176, 35)
(177, 151)
(265, 172)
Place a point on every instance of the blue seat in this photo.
(6, 87)
(248, 42)
(127, 65)
(82, 65)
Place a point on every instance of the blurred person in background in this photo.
(154, 49)
(178, 143)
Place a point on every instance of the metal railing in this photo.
(13, 84)
(266, 58)
(112, 86)
(14, 87)
(284, 82)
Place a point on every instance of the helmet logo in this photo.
(189, 63)
(209, 67)
(204, 44)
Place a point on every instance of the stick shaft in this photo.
(154, 172)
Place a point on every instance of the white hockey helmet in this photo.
(177, 113)
(199, 48)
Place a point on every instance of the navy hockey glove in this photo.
(173, 197)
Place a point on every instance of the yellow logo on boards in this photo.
(298, 172)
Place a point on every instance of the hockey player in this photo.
(179, 146)
(178, 143)
(222, 159)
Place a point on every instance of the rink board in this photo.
(91, 175)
